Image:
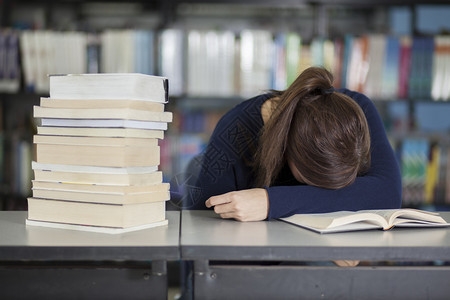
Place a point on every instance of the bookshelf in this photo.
(218, 32)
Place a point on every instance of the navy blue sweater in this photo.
(226, 165)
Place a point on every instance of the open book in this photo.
(342, 221)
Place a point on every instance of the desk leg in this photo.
(159, 278)
(200, 280)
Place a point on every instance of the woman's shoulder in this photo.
(249, 109)
(360, 98)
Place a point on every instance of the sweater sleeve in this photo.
(379, 188)
(225, 164)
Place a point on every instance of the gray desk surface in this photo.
(21, 242)
(205, 236)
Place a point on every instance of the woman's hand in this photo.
(245, 205)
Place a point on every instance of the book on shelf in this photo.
(279, 72)
(385, 219)
(414, 161)
(95, 214)
(208, 52)
(20, 173)
(109, 194)
(101, 132)
(441, 64)
(104, 123)
(171, 58)
(404, 67)
(101, 113)
(338, 62)
(10, 75)
(390, 76)
(110, 86)
(373, 83)
(255, 61)
(104, 104)
(422, 49)
(46, 52)
(138, 46)
(102, 156)
(425, 171)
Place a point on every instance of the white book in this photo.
(117, 123)
(92, 169)
(111, 86)
(225, 69)
(94, 214)
(42, 61)
(101, 132)
(118, 51)
(94, 141)
(29, 58)
(101, 113)
(99, 229)
(197, 63)
(255, 61)
(376, 56)
(171, 58)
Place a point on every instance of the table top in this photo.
(21, 242)
(205, 236)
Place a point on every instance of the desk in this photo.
(48, 263)
(257, 260)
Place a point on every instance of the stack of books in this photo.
(97, 153)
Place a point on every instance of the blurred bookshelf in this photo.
(218, 53)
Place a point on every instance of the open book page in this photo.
(396, 217)
(343, 220)
(366, 219)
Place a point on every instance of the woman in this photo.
(308, 149)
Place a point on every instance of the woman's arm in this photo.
(226, 163)
(380, 188)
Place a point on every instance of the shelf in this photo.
(310, 18)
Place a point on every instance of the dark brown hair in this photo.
(319, 131)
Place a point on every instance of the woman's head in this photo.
(321, 134)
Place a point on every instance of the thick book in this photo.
(105, 104)
(342, 221)
(94, 141)
(101, 132)
(99, 178)
(101, 113)
(90, 228)
(105, 123)
(109, 194)
(101, 156)
(93, 169)
(111, 86)
(95, 214)
(99, 188)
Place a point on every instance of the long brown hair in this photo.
(319, 131)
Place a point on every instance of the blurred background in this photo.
(218, 53)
